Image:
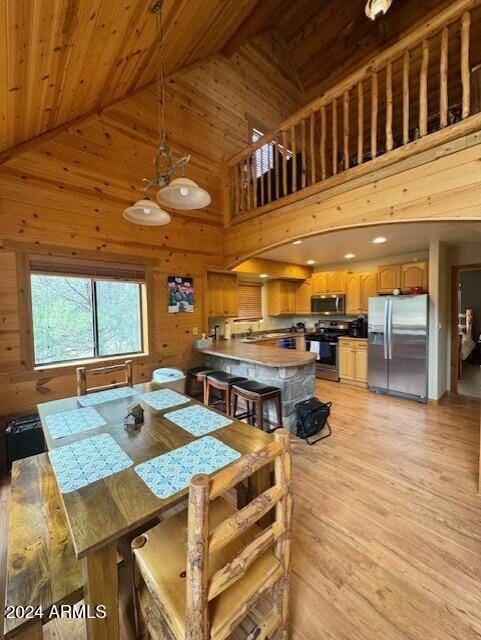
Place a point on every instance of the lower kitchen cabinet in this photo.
(353, 360)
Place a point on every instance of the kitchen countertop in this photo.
(271, 336)
(352, 338)
(255, 354)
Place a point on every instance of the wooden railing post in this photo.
(284, 162)
(443, 79)
(360, 123)
(312, 132)
(294, 159)
(323, 142)
(303, 154)
(465, 71)
(346, 104)
(374, 113)
(423, 90)
(389, 135)
(334, 136)
(406, 104)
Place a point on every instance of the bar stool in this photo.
(196, 374)
(257, 394)
(221, 381)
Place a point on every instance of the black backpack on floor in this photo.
(311, 417)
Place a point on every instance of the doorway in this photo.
(466, 332)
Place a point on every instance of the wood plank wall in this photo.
(69, 192)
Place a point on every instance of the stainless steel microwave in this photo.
(329, 305)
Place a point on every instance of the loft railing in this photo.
(426, 83)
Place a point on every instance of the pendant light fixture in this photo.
(377, 8)
(177, 193)
(148, 213)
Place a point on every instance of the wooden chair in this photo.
(200, 573)
(82, 372)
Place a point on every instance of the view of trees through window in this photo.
(79, 318)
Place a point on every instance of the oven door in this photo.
(328, 305)
(327, 355)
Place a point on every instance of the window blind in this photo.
(264, 156)
(57, 265)
(250, 301)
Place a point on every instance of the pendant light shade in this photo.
(183, 193)
(146, 212)
(376, 8)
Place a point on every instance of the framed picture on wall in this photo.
(180, 294)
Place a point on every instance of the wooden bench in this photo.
(42, 569)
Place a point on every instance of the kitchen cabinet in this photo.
(303, 297)
(222, 295)
(353, 294)
(319, 283)
(336, 281)
(389, 278)
(359, 288)
(368, 289)
(414, 274)
(281, 297)
(329, 282)
(403, 276)
(353, 361)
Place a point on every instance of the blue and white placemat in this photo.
(75, 421)
(198, 420)
(106, 396)
(163, 399)
(81, 463)
(171, 472)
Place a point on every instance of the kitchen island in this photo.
(290, 370)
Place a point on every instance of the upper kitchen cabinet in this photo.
(319, 283)
(329, 282)
(281, 297)
(388, 278)
(368, 289)
(413, 275)
(403, 276)
(359, 288)
(303, 297)
(222, 294)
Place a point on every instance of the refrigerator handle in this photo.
(390, 328)
(386, 328)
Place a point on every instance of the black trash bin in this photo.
(23, 438)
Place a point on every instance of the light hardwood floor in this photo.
(387, 526)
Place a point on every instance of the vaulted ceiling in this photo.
(64, 59)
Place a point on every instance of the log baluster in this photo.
(346, 132)
(423, 89)
(284, 163)
(260, 171)
(389, 101)
(374, 113)
(276, 165)
(294, 159)
(312, 132)
(303, 154)
(270, 168)
(323, 142)
(406, 105)
(334, 136)
(465, 71)
(360, 122)
(443, 79)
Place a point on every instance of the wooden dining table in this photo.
(101, 513)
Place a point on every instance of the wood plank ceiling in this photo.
(64, 58)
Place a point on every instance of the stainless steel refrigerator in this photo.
(398, 332)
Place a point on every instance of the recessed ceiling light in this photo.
(263, 275)
(297, 242)
(379, 240)
(311, 262)
(350, 256)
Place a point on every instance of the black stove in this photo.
(323, 342)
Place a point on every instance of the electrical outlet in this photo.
(195, 331)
